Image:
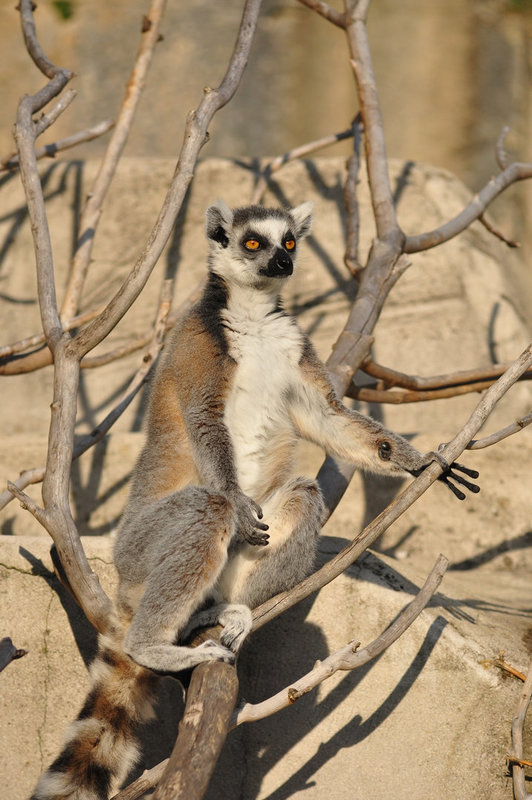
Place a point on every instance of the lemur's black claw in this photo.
(454, 489)
(473, 473)
(452, 474)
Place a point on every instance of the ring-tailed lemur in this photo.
(238, 383)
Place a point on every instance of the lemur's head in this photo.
(255, 246)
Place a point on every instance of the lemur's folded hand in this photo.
(451, 473)
(248, 515)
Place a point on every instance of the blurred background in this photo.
(451, 74)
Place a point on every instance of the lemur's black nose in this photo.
(280, 264)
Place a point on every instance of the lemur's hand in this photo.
(247, 525)
(450, 473)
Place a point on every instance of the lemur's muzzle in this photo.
(280, 265)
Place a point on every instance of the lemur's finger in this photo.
(261, 526)
(261, 539)
(454, 489)
(257, 508)
(473, 473)
(459, 479)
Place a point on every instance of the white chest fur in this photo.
(267, 349)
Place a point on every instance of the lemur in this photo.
(216, 522)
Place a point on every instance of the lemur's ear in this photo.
(302, 216)
(219, 219)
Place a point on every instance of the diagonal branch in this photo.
(348, 658)
(517, 171)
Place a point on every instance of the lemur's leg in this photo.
(294, 514)
(235, 618)
(190, 560)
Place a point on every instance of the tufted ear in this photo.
(219, 219)
(302, 216)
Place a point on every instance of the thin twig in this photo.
(348, 658)
(51, 150)
(498, 436)
(374, 141)
(491, 229)
(325, 10)
(43, 123)
(297, 152)
(502, 664)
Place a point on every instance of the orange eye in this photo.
(251, 244)
(290, 244)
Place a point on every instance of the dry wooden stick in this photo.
(517, 171)
(498, 436)
(51, 150)
(297, 152)
(391, 377)
(90, 216)
(398, 396)
(516, 752)
(211, 698)
(352, 219)
(502, 664)
(326, 11)
(347, 658)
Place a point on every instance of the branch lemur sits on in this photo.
(237, 385)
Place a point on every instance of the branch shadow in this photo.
(357, 729)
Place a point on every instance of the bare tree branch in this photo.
(326, 11)
(297, 152)
(375, 145)
(348, 658)
(516, 753)
(352, 219)
(91, 213)
(517, 171)
(396, 397)
(391, 377)
(211, 698)
(498, 436)
(51, 150)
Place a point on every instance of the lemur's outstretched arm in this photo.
(321, 418)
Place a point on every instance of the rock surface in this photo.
(431, 717)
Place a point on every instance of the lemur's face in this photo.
(255, 246)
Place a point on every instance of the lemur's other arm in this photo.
(320, 417)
